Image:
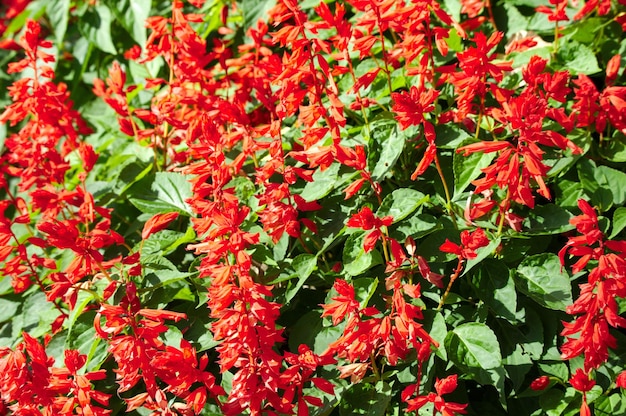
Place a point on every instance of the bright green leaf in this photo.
(473, 346)
(355, 259)
(468, 168)
(619, 222)
(167, 192)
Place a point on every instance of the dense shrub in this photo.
(318, 207)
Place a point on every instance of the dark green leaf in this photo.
(495, 286)
(614, 149)
(391, 141)
(304, 265)
(366, 399)
(82, 337)
(548, 219)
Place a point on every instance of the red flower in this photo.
(470, 242)
(540, 383)
(444, 386)
(366, 220)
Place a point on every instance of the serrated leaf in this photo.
(168, 191)
(468, 168)
(578, 58)
(542, 278)
(401, 203)
(355, 259)
(473, 346)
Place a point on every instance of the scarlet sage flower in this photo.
(366, 220)
(470, 242)
(443, 386)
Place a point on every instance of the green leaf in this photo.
(168, 191)
(619, 222)
(391, 141)
(548, 219)
(577, 58)
(355, 259)
(364, 289)
(366, 399)
(481, 254)
(253, 10)
(400, 203)
(82, 337)
(603, 184)
(159, 271)
(304, 265)
(435, 325)
(615, 404)
(614, 149)
(495, 286)
(323, 183)
(95, 25)
(167, 241)
(468, 168)
(58, 12)
(473, 346)
(132, 15)
(541, 277)
(8, 308)
(416, 226)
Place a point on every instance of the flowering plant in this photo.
(312, 207)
